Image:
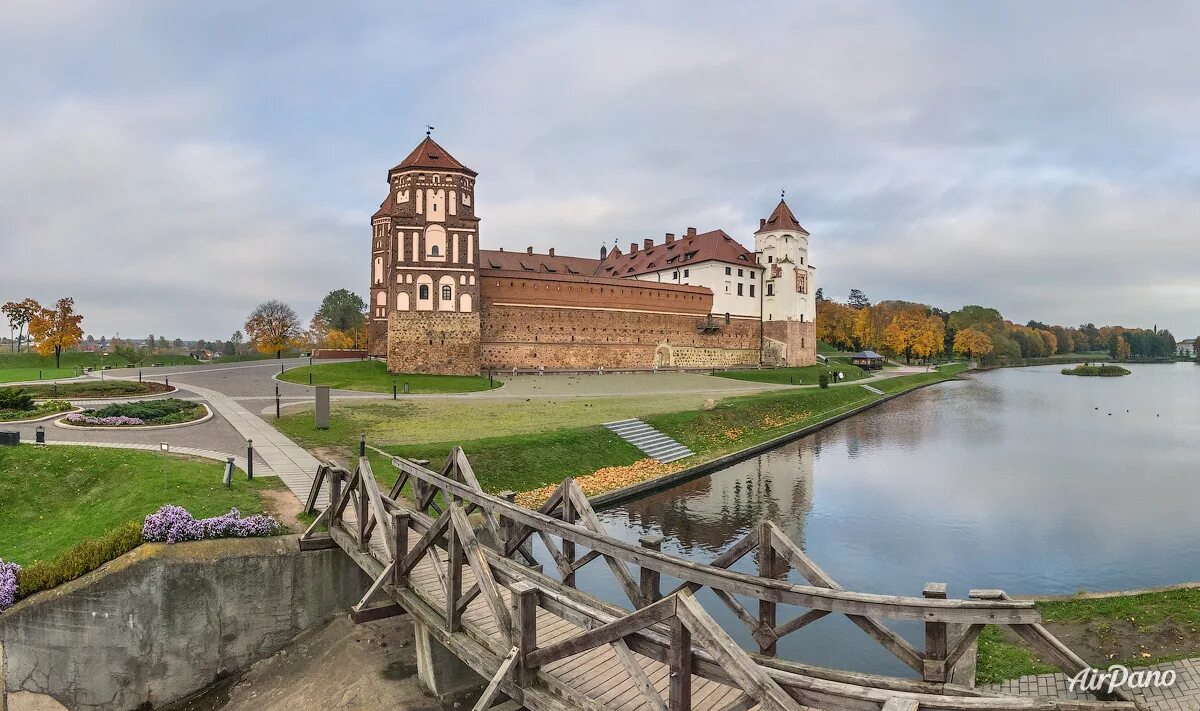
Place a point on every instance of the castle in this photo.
(440, 304)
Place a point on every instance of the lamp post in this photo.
(249, 460)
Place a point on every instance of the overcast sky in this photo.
(170, 165)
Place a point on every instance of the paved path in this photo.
(1183, 696)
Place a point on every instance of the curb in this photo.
(624, 494)
(140, 428)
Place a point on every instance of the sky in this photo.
(171, 165)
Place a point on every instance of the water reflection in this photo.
(1021, 479)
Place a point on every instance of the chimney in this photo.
(632, 247)
(647, 243)
(762, 222)
(691, 232)
(670, 238)
(529, 250)
(551, 251)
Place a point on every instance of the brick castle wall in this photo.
(798, 337)
(443, 343)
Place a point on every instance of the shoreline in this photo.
(627, 493)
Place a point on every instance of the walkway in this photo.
(1183, 696)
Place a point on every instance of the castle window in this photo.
(752, 275)
(675, 275)
(770, 289)
(739, 288)
(685, 273)
(740, 273)
(728, 271)
(447, 293)
(751, 290)
(770, 259)
(434, 251)
(423, 293)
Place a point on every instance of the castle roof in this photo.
(528, 261)
(781, 219)
(428, 154)
(686, 251)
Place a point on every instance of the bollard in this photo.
(55, 389)
(277, 402)
(39, 375)
(393, 389)
(139, 376)
(249, 460)
(281, 368)
(362, 445)
(166, 381)
(310, 377)
(490, 384)
(227, 479)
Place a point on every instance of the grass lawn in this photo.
(16, 375)
(807, 375)
(1135, 630)
(54, 497)
(388, 422)
(372, 376)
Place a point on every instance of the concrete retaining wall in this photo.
(163, 621)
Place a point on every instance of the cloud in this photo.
(194, 160)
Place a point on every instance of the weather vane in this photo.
(781, 193)
(428, 129)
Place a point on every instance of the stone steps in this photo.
(650, 441)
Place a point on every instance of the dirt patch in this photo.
(284, 506)
(1128, 641)
(336, 665)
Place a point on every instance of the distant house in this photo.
(867, 359)
(204, 354)
(1187, 348)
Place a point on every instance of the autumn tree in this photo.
(20, 314)
(900, 336)
(930, 337)
(272, 327)
(972, 343)
(343, 310)
(56, 329)
(857, 300)
(1122, 349)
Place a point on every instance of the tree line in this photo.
(340, 322)
(914, 330)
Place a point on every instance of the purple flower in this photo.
(8, 584)
(112, 420)
(173, 524)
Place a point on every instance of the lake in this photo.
(1018, 479)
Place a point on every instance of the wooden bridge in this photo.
(461, 562)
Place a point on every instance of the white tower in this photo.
(782, 245)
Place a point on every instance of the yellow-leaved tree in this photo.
(972, 343)
(1123, 349)
(55, 329)
(274, 326)
(930, 338)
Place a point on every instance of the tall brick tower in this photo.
(425, 266)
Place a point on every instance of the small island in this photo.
(1102, 371)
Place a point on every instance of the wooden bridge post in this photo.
(454, 578)
(524, 633)
(651, 579)
(935, 638)
(568, 547)
(400, 522)
(770, 565)
(335, 495)
(506, 524)
(680, 698)
(362, 512)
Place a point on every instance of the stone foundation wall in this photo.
(443, 343)
(164, 621)
(798, 339)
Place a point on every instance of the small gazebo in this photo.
(870, 360)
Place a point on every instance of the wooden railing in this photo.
(443, 516)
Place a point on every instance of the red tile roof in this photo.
(685, 251)
(781, 219)
(428, 154)
(539, 263)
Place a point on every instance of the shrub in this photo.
(174, 524)
(824, 380)
(79, 559)
(8, 584)
(1103, 371)
(151, 412)
(15, 399)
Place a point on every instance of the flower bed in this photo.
(35, 412)
(77, 390)
(8, 584)
(173, 524)
(139, 414)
